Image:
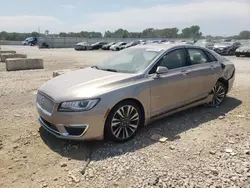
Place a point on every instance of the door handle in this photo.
(184, 72)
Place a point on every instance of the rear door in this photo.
(203, 72)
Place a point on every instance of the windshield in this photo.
(28, 39)
(131, 43)
(131, 60)
(119, 43)
(96, 43)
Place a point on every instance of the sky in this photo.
(215, 17)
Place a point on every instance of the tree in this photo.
(188, 32)
(191, 32)
(244, 35)
(62, 34)
(108, 34)
(35, 34)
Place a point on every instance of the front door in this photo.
(171, 89)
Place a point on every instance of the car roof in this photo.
(163, 46)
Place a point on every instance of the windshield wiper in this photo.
(111, 70)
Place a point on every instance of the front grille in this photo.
(50, 125)
(45, 103)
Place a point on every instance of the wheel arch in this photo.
(121, 101)
(225, 82)
(137, 102)
(129, 99)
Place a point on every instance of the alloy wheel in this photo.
(125, 122)
(219, 94)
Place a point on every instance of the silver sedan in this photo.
(131, 89)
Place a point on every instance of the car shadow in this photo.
(169, 127)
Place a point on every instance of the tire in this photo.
(231, 52)
(219, 91)
(123, 122)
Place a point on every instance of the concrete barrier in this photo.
(6, 56)
(60, 72)
(23, 64)
(7, 52)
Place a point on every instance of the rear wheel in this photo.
(219, 95)
(123, 121)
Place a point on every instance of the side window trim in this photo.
(172, 50)
(211, 61)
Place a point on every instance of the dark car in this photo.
(31, 41)
(97, 45)
(243, 50)
(163, 40)
(130, 44)
(156, 41)
(83, 46)
(107, 46)
(226, 48)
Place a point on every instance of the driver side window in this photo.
(172, 60)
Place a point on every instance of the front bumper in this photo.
(87, 125)
(242, 53)
(63, 132)
(78, 47)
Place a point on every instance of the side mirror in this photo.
(161, 70)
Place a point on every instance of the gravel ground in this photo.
(204, 147)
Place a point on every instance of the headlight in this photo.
(78, 106)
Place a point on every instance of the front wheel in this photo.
(219, 95)
(123, 121)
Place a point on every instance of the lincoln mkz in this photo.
(131, 89)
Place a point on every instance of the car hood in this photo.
(244, 48)
(84, 83)
(82, 43)
(221, 46)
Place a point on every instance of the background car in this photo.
(163, 41)
(97, 45)
(31, 41)
(136, 86)
(142, 42)
(130, 44)
(226, 48)
(83, 46)
(107, 46)
(243, 50)
(116, 46)
(205, 44)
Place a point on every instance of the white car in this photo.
(116, 46)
